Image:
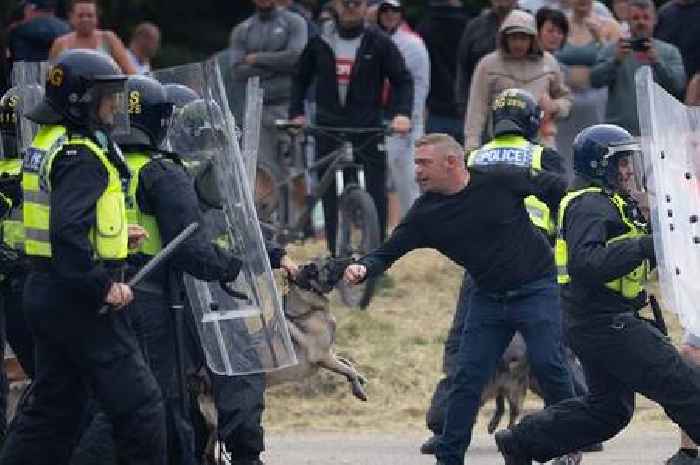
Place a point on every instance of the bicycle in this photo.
(358, 221)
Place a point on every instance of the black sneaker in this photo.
(510, 449)
(597, 447)
(681, 458)
(572, 458)
(430, 444)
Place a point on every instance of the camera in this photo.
(640, 44)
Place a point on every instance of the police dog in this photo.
(312, 329)
(509, 383)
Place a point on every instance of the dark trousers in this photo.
(374, 162)
(622, 355)
(446, 125)
(15, 331)
(492, 320)
(78, 355)
(153, 325)
(240, 401)
(435, 416)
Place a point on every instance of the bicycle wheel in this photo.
(358, 234)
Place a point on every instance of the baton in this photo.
(157, 260)
(658, 316)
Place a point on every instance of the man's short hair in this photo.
(144, 29)
(643, 4)
(444, 142)
(73, 3)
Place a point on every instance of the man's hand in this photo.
(288, 265)
(354, 274)
(549, 106)
(623, 49)
(119, 295)
(651, 53)
(401, 124)
(137, 236)
(250, 59)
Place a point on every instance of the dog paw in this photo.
(359, 392)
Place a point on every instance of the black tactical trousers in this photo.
(240, 401)
(81, 354)
(15, 331)
(621, 355)
(152, 323)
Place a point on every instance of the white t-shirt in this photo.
(345, 53)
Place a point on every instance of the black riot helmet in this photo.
(515, 111)
(179, 94)
(149, 112)
(9, 123)
(597, 150)
(75, 87)
(197, 128)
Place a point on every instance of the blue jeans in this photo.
(534, 310)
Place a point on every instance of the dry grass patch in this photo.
(397, 344)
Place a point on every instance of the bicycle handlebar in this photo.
(316, 129)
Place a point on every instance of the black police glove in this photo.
(232, 270)
(646, 243)
(11, 187)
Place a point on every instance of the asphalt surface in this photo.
(630, 447)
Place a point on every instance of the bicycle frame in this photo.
(337, 162)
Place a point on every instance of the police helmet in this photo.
(597, 150)
(75, 85)
(9, 104)
(197, 128)
(515, 111)
(12, 106)
(179, 94)
(149, 112)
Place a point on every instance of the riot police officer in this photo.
(603, 252)
(239, 400)
(77, 238)
(13, 326)
(161, 198)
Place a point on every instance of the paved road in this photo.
(632, 447)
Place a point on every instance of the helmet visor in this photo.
(629, 167)
(111, 106)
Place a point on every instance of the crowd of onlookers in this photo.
(577, 57)
(35, 33)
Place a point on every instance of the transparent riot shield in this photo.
(28, 78)
(670, 136)
(241, 324)
(251, 127)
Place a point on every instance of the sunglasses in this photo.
(352, 3)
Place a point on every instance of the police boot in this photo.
(682, 458)
(510, 449)
(430, 444)
(251, 461)
(572, 458)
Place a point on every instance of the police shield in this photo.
(241, 324)
(251, 126)
(28, 79)
(670, 137)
